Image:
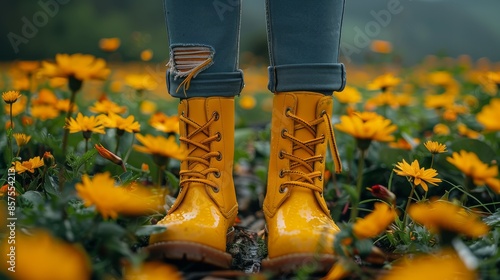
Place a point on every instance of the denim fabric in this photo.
(210, 23)
(304, 43)
(303, 38)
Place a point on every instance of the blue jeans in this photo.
(303, 38)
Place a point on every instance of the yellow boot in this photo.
(299, 226)
(206, 206)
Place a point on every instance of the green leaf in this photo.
(493, 220)
(33, 197)
(351, 190)
(150, 229)
(108, 229)
(51, 185)
(390, 156)
(173, 181)
(481, 149)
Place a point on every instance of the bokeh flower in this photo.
(375, 222)
(247, 102)
(375, 127)
(467, 132)
(128, 124)
(381, 46)
(110, 200)
(417, 175)
(489, 115)
(480, 172)
(21, 139)
(442, 215)
(78, 66)
(160, 146)
(106, 106)
(109, 44)
(44, 112)
(146, 55)
(350, 95)
(384, 82)
(55, 259)
(441, 129)
(164, 123)
(45, 97)
(140, 82)
(442, 266)
(152, 271)
(29, 165)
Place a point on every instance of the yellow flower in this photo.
(438, 101)
(384, 82)
(11, 96)
(417, 175)
(63, 105)
(18, 107)
(45, 97)
(146, 55)
(247, 102)
(385, 98)
(337, 272)
(21, 139)
(470, 164)
(21, 83)
(164, 123)
(28, 66)
(467, 132)
(55, 259)
(79, 66)
(128, 124)
(381, 46)
(441, 129)
(377, 128)
(109, 44)
(58, 82)
(350, 95)
(403, 144)
(489, 115)
(160, 146)
(443, 266)
(107, 106)
(376, 222)
(147, 107)
(29, 165)
(441, 78)
(404, 100)
(44, 112)
(152, 271)
(110, 200)
(140, 82)
(443, 215)
(435, 147)
(85, 124)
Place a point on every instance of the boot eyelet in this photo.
(215, 190)
(288, 109)
(182, 113)
(217, 174)
(321, 160)
(320, 177)
(219, 157)
(322, 135)
(283, 133)
(283, 190)
(280, 155)
(215, 114)
(322, 113)
(219, 136)
(282, 174)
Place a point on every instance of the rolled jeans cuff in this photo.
(318, 77)
(207, 84)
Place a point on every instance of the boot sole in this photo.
(293, 262)
(189, 251)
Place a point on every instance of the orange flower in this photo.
(146, 55)
(109, 44)
(380, 46)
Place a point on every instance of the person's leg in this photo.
(204, 42)
(304, 39)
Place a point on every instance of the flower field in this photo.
(90, 162)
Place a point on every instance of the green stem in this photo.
(405, 219)
(68, 116)
(160, 175)
(432, 160)
(359, 183)
(464, 196)
(9, 134)
(129, 149)
(86, 150)
(118, 137)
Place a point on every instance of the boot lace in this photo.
(300, 178)
(190, 175)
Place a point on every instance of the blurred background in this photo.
(411, 29)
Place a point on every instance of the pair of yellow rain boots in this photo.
(299, 227)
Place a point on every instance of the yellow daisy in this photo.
(376, 128)
(44, 112)
(29, 165)
(489, 115)
(435, 147)
(85, 124)
(376, 222)
(480, 172)
(128, 124)
(417, 175)
(107, 106)
(160, 146)
(79, 66)
(11, 96)
(21, 139)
